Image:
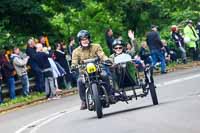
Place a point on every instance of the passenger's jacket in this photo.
(80, 54)
(191, 34)
(19, 64)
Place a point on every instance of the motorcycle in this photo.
(128, 82)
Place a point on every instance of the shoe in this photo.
(112, 99)
(55, 97)
(58, 90)
(83, 106)
(156, 68)
(164, 72)
(184, 61)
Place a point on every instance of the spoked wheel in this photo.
(97, 101)
(89, 100)
(154, 97)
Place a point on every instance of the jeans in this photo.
(157, 55)
(11, 86)
(1, 98)
(50, 89)
(39, 78)
(183, 53)
(25, 84)
(82, 89)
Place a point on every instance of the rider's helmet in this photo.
(83, 34)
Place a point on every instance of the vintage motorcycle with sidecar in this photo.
(125, 83)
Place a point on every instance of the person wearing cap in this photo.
(155, 45)
(86, 50)
(179, 41)
(191, 36)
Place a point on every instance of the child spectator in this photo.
(145, 54)
(169, 54)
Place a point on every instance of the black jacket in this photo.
(61, 59)
(42, 60)
(178, 39)
(109, 41)
(153, 41)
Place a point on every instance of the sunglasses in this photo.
(118, 48)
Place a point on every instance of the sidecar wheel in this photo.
(97, 101)
(153, 93)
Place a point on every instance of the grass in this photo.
(21, 99)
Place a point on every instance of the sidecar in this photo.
(130, 82)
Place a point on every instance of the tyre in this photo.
(153, 93)
(89, 100)
(97, 101)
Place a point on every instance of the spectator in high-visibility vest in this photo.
(190, 37)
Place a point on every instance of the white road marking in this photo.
(43, 121)
(177, 80)
(38, 123)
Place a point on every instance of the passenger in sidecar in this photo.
(125, 74)
(124, 70)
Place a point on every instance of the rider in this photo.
(86, 50)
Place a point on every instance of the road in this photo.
(178, 112)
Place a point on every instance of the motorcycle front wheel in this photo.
(97, 101)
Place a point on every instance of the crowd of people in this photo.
(51, 68)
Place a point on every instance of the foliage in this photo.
(59, 19)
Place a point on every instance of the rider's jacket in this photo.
(80, 54)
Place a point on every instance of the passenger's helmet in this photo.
(117, 42)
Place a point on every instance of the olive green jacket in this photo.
(80, 54)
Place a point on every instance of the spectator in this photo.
(20, 63)
(43, 62)
(198, 32)
(133, 42)
(60, 57)
(155, 45)
(179, 41)
(109, 39)
(1, 97)
(71, 48)
(39, 78)
(198, 28)
(191, 37)
(145, 54)
(169, 54)
(7, 70)
(129, 49)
